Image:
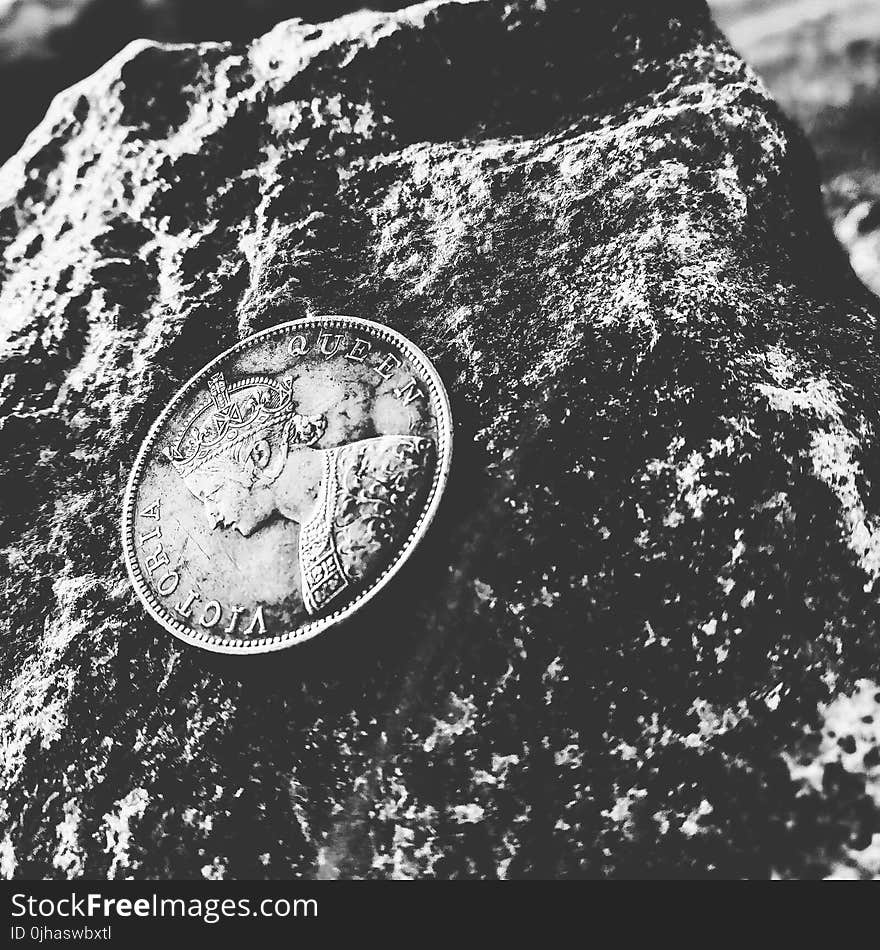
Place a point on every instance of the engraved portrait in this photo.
(249, 456)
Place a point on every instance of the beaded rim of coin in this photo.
(214, 643)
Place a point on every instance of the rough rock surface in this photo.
(45, 45)
(642, 638)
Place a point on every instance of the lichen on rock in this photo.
(655, 572)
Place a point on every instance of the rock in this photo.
(639, 641)
(46, 45)
(821, 61)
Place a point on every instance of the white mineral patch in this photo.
(856, 717)
(8, 863)
(468, 814)
(462, 715)
(713, 721)
(833, 449)
(118, 829)
(69, 855)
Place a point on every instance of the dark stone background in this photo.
(820, 60)
(644, 639)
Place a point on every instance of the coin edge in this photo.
(212, 642)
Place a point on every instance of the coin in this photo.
(286, 483)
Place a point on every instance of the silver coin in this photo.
(286, 483)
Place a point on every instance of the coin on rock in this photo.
(286, 483)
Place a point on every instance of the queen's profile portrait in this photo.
(249, 456)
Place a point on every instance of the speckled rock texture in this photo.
(642, 637)
(45, 45)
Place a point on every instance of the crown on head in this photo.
(252, 405)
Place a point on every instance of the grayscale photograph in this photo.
(438, 442)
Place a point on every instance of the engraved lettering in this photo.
(159, 558)
(359, 350)
(332, 424)
(388, 366)
(214, 606)
(297, 346)
(329, 343)
(258, 618)
(411, 389)
(155, 533)
(166, 589)
(185, 608)
(233, 620)
(151, 511)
